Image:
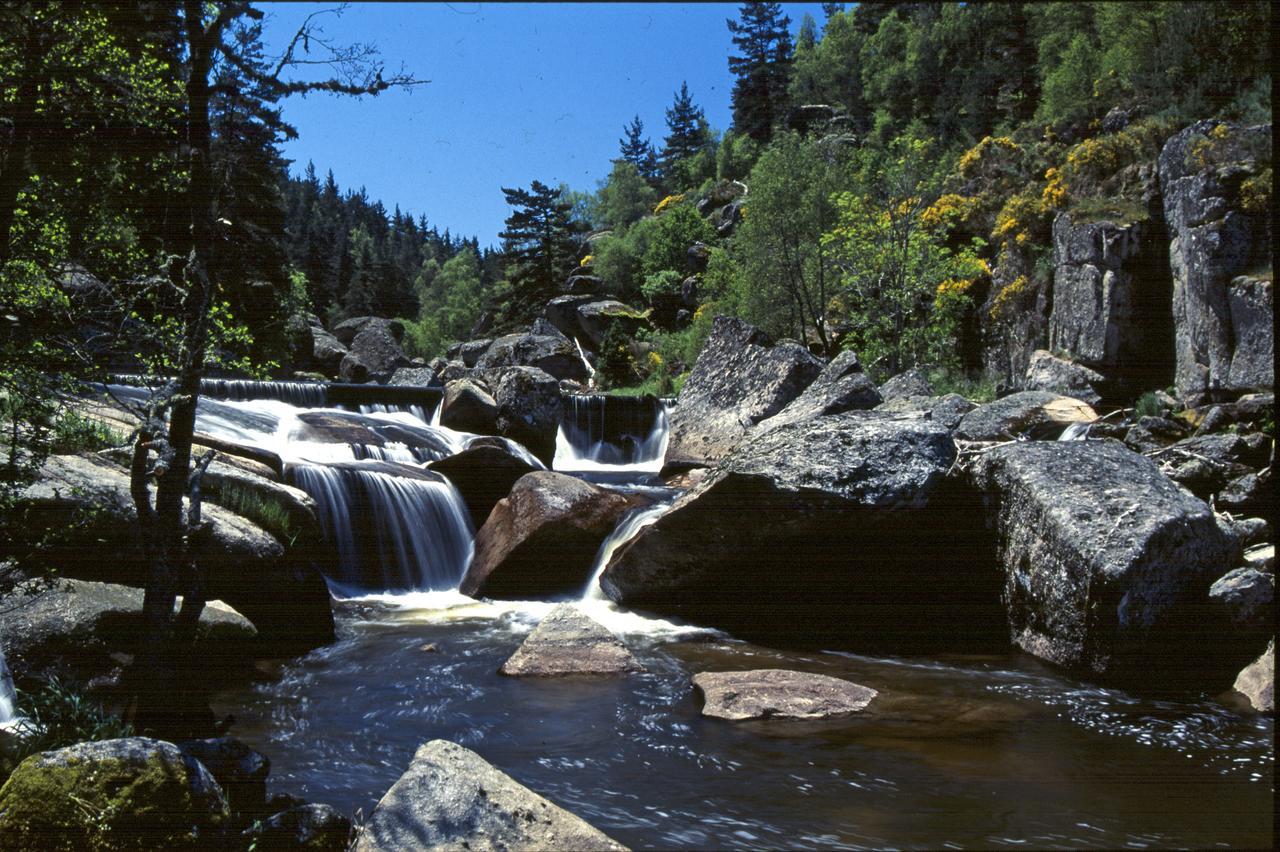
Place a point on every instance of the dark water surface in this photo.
(964, 752)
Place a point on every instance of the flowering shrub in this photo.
(668, 202)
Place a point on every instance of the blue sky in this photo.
(517, 92)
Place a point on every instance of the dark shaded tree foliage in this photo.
(762, 67)
(542, 244)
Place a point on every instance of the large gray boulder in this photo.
(529, 408)
(841, 386)
(1047, 372)
(779, 694)
(820, 523)
(562, 312)
(327, 351)
(468, 407)
(542, 538)
(86, 500)
(374, 351)
(1245, 598)
(79, 622)
(483, 475)
(450, 798)
(1223, 320)
(1106, 561)
(913, 382)
(470, 352)
(555, 356)
(1110, 300)
(567, 641)
(595, 318)
(131, 793)
(741, 378)
(1034, 414)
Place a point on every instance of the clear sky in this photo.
(518, 92)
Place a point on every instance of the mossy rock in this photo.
(124, 794)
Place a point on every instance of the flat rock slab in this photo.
(567, 641)
(779, 694)
(451, 798)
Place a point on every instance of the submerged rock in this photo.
(132, 793)
(1106, 561)
(450, 798)
(542, 538)
(741, 378)
(1035, 414)
(779, 694)
(314, 828)
(568, 641)
(241, 771)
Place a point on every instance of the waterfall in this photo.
(628, 528)
(301, 394)
(8, 695)
(612, 433)
(1075, 432)
(390, 532)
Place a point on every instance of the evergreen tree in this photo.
(687, 133)
(763, 68)
(541, 242)
(638, 151)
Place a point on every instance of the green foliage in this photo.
(58, 715)
(268, 513)
(1148, 405)
(979, 390)
(75, 433)
(688, 136)
(903, 289)
(665, 282)
(736, 156)
(614, 364)
(626, 197)
(542, 244)
(670, 236)
(788, 273)
(761, 67)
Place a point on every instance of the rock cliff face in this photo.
(1111, 297)
(1223, 316)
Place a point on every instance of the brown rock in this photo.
(779, 694)
(567, 641)
(542, 538)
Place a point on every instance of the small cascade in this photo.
(301, 394)
(415, 411)
(8, 696)
(1075, 432)
(628, 528)
(391, 532)
(612, 433)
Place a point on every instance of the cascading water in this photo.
(627, 529)
(612, 434)
(394, 526)
(392, 532)
(8, 696)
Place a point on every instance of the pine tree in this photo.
(687, 132)
(763, 69)
(541, 243)
(638, 151)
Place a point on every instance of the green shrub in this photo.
(59, 715)
(1148, 405)
(267, 513)
(75, 433)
